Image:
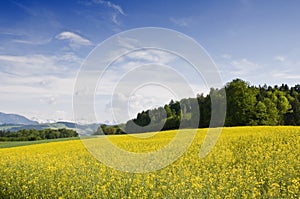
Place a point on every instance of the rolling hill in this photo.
(15, 119)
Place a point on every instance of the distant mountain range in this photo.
(15, 119)
(14, 122)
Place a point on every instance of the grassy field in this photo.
(25, 143)
(247, 162)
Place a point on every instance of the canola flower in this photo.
(247, 162)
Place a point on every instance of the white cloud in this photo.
(127, 43)
(280, 58)
(38, 64)
(50, 100)
(150, 56)
(74, 39)
(226, 56)
(291, 61)
(183, 22)
(122, 107)
(62, 115)
(137, 86)
(38, 83)
(244, 67)
(35, 86)
(285, 74)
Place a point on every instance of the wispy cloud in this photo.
(75, 40)
(10, 32)
(288, 60)
(25, 8)
(49, 100)
(183, 22)
(114, 19)
(226, 56)
(286, 74)
(281, 68)
(280, 58)
(38, 64)
(244, 67)
(232, 67)
(117, 10)
(109, 4)
(29, 42)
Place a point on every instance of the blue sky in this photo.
(43, 43)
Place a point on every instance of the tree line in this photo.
(33, 134)
(246, 105)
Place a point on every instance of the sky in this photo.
(44, 43)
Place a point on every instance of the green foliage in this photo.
(246, 105)
(241, 100)
(33, 134)
(109, 130)
(261, 117)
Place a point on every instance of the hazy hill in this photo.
(14, 122)
(15, 119)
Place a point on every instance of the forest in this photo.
(246, 106)
(33, 134)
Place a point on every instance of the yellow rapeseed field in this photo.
(247, 162)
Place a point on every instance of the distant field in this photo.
(247, 162)
(25, 143)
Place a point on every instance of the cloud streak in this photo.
(109, 4)
(28, 42)
(182, 22)
(38, 64)
(117, 10)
